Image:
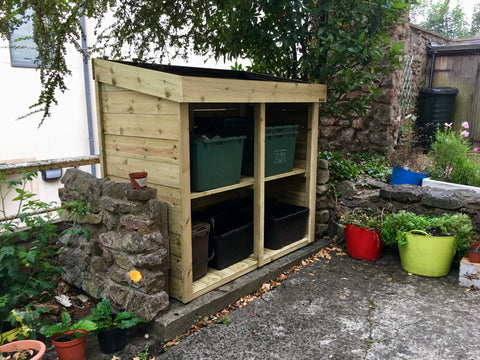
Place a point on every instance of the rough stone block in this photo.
(322, 176)
(136, 222)
(141, 194)
(147, 306)
(322, 164)
(115, 190)
(135, 242)
(448, 200)
(322, 189)
(322, 216)
(118, 206)
(403, 193)
(469, 274)
(111, 240)
(159, 260)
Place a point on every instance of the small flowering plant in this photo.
(453, 157)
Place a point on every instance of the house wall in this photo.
(64, 134)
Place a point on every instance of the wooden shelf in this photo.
(245, 181)
(270, 255)
(216, 278)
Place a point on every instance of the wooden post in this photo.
(259, 182)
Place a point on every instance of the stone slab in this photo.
(469, 274)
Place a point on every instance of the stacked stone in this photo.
(128, 232)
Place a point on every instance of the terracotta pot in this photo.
(474, 255)
(25, 344)
(138, 180)
(112, 340)
(70, 350)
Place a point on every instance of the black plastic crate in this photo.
(231, 236)
(284, 224)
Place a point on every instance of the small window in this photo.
(23, 50)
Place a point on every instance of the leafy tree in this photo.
(440, 17)
(342, 43)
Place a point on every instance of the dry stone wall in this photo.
(378, 130)
(128, 232)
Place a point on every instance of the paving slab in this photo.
(338, 308)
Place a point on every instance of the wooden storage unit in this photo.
(145, 117)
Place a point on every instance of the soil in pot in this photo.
(23, 349)
(23, 354)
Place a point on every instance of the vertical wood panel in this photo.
(259, 182)
(311, 170)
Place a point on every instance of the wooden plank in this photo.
(270, 255)
(49, 164)
(176, 290)
(151, 126)
(133, 102)
(146, 81)
(151, 149)
(311, 183)
(185, 216)
(216, 278)
(158, 173)
(100, 129)
(209, 90)
(245, 181)
(295, 171)
(259, 182)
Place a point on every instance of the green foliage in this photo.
(66, 324)
(28, 249)
(143, 355)
(451, 157)
(396, 225)
(342, 43)
(362, 219)
(442, 18)
(104, 319)
(346, 166)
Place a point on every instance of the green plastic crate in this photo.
(279, 150)
(215, 162)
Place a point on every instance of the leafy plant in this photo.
(396, 225)
(104, 319)
(67, 325)
(362, 219)
(28, 249)
(451, 157)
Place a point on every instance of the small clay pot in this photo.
(138, 180)
(474, 255)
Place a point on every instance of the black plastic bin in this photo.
(231, 236)
(284, 224)
(436, 107)
(200, 239)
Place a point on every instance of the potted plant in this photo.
(23, 349)
(69, 339)
(474, 249)
(362, 236)
(112, 336)
(427, 244)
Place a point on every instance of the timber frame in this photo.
(145, 116)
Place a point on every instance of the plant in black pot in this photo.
(427, 244)
(112, 335)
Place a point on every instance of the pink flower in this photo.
(465, 133)
(449, 125)
(465, 125)
(475, 149)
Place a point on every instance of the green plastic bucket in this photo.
(427, 255)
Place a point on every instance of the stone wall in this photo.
(382, 198)
(378, 131)
(128, 231)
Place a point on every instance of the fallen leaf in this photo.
(117, 358)
(341, 297)
(389, 279)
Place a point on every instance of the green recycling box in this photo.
(215, 162)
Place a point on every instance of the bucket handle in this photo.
(418, 232)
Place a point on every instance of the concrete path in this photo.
(347, 309)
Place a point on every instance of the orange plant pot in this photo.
(70, 350)
(138, 180)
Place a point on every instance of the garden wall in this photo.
(378, 131)
(379, 197)
(129, 231)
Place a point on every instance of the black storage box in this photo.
(231, 236)
(284, 224)
(200, 239)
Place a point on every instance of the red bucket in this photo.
(363, 244)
